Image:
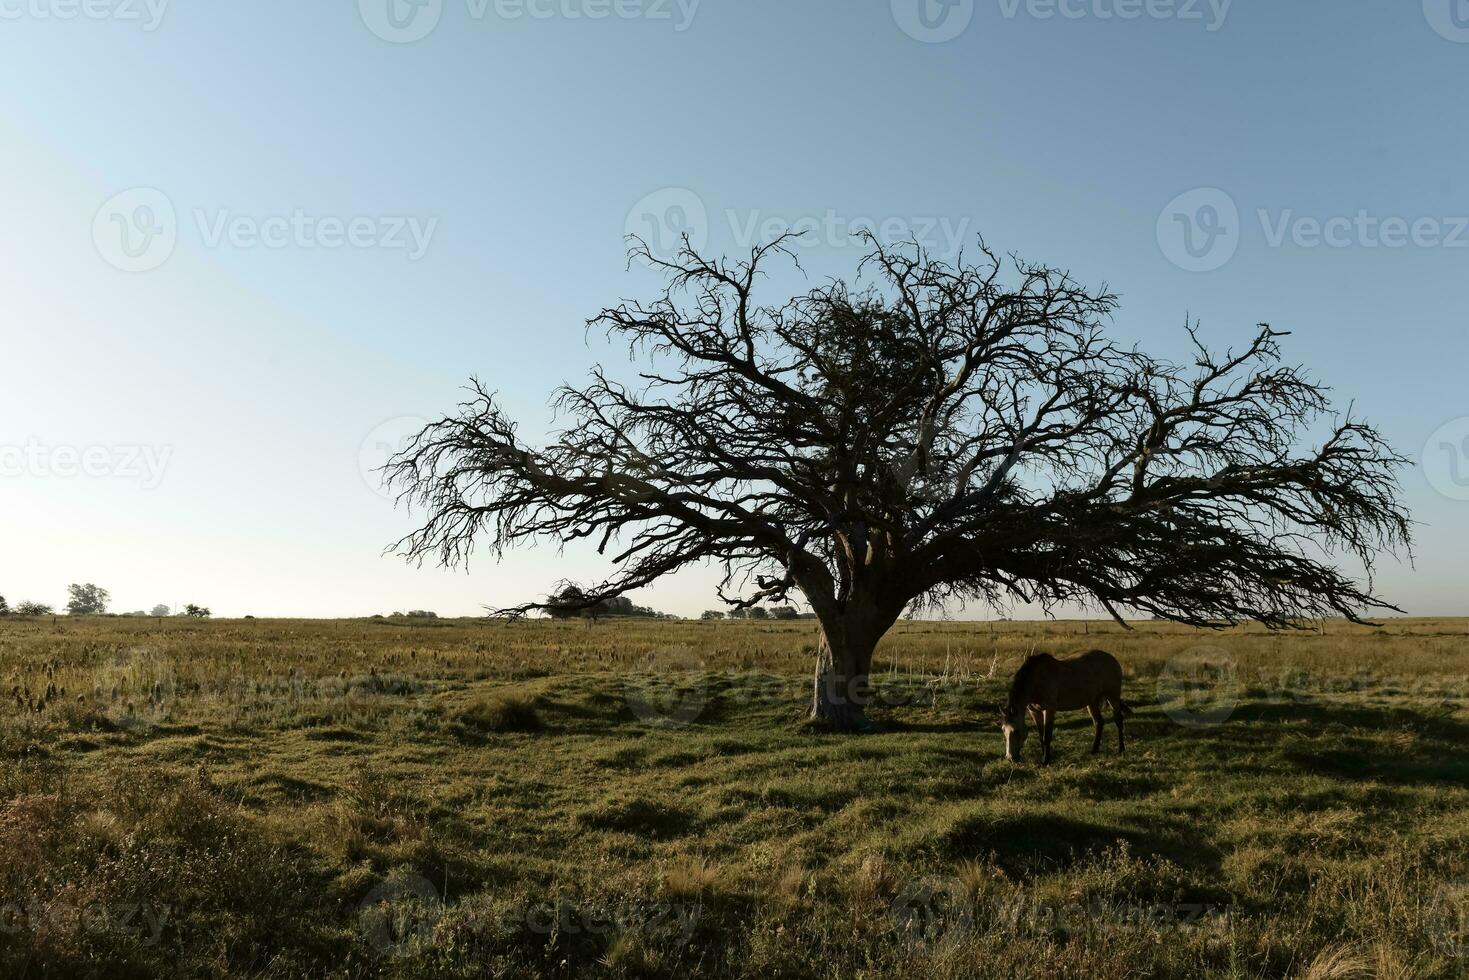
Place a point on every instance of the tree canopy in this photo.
(87, 600)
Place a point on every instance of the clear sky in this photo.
(242, 242)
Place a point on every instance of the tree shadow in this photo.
(639, 817)
(887, 725)
(277, 788)
(1435, 754)
(1036, 843)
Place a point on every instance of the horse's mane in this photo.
(1022, 676)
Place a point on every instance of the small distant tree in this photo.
(197, 612)
(28, 608)
(87, 600)
(711, 614)
(4, 609)
(160, 610)
(568, 602)
(785, 612)
(422, 614)
(759, 612)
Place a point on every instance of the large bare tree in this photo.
(931, 433)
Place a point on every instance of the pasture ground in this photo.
(391, 798)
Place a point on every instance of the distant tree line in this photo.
(757, 612)
(25, 607)
(568, 602)
(90, 599)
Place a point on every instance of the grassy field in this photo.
(645, 799)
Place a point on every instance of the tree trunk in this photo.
(841, 690)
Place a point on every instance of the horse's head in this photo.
(1012, 726)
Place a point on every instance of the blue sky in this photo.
(244, 240)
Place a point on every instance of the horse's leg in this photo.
(1038, 722)
(1095, 710)
(1049, 716)
(1117, 714)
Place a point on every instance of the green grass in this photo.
(466, 799)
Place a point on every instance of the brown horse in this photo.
(1044, 685)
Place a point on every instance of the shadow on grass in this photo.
(333, 734)
(889, 724)
(1041, 842)
(275, 788)
(1362, 749)
(1340, 739)
(639, 817)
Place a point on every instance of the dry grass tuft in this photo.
(1340, 963)
(693, 878)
